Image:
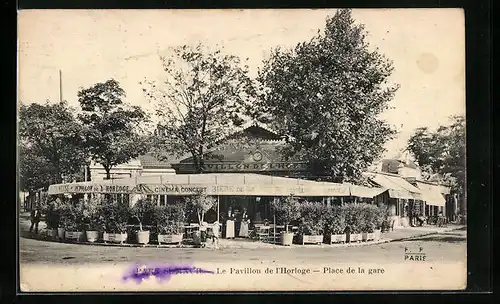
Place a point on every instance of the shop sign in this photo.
(189, 189)
(245, 167)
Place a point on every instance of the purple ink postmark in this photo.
(163, 273)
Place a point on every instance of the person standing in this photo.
(243, 231)
(35, 218)
(215, 234)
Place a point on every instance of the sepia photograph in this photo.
(241, 150)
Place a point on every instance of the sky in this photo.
(427, 47)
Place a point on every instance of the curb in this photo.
(46, 238)
(357, 244)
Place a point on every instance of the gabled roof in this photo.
(149, 161)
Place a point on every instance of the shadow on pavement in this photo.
(444, 239)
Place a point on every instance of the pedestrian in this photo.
(35, 218)
(215, 234)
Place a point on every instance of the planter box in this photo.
(355, 237)
(338, 238)
(60, 233)
(311, 239)
(286, 238)
(376, 235)
(114, 237)
(52, 233)
(367, 236)
(73, 235)
(143, 237)
(170, 238)
(92, 236)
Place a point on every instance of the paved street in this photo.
(449, 246)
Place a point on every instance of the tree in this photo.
(36, 172)
(325, 96)
(201, 203)
(442, 152)
(203, 95)
(114, 130)
(51, 145)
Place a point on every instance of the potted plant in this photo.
(335, 225)
(115, 217)
(143, 211)
(286, 211)
(353, 222)
(368, 217)
(381, 214)
(72, 222)
(169, 222)
(93, 219)
(311, 222)
(201, 203)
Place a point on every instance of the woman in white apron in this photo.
(244, 224)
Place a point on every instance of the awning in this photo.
(365, 192)
(402, 194)
(211, 184)
(431, 194)
(390, 181)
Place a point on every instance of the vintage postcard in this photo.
(242, 150)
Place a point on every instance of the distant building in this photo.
(402, 165)
(144, 165)
(260, 155)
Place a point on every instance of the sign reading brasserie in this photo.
(188, 189)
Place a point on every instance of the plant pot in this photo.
(143, 237)
(286, 238)
(170, 238)
(52, 233)
(114, 237)
(311, 239)
(376, 234)
(355, 237)
(73, 235)
(92, 236)
(60, 233)
(338, 238)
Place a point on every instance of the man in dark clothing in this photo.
(35, 219)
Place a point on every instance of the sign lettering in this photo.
(244, 167)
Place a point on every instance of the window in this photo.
(162, 200)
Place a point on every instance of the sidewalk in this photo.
(404, 233)
(398, 234)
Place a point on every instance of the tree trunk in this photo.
(197, 164)
(107, 169)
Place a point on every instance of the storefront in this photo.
(236, 192)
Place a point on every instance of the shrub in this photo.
(352, 217)
(335, 220)
(115, 216)
(169, 219)
(362, 217)
(143, 211)
(312, 218)
(71, 218)
(286, 210)
(201, 203)
(93, 217)
(370, 217)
